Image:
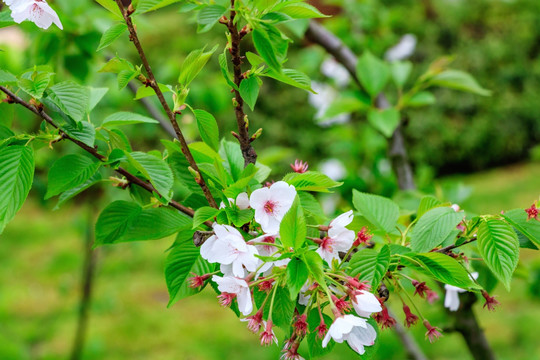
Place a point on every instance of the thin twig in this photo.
(454, 246)
(126, 13)
(250, 156)
(93, 151)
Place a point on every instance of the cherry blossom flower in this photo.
(431, 296)
(420, 288)
(339, 238)
(242, 201)
(228, 248)
(491, 303)
(255, 322)
(353, 329)
(410, 318)
(363, 237)
(268, 336)
(432, 332)
(532, 212)
(239, 287)
(271, 204)
(197, 281)
(365, 303)
(383, 318)
(37, 11)
(342, 305)
(321, 329)
(300, 325)
(403, 49)
(299, 166)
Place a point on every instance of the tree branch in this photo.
(444, 250)
(126, 13)
(250, 156)
(92, 151)
(397, 150)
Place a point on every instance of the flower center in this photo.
(269, 207)
(327, 244)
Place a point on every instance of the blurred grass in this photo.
(41, 255)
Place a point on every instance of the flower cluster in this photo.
(255, 261)
(37, 11)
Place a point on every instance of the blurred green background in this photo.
(483, 153)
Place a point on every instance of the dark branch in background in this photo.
(466, 324)
(407, 340)
(465, 320)
(87, 284)
(397, 150)
(92, 151)
(248, 152)
(126, 13)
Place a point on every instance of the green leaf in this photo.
(182, 262)
(423, 98)
(499, 247)
(383, 213)
(69, 172)
(459, 80)
(95, 96)
(73, 99)
(529, 228)
(111, 34)
(193, 64)
(123, 221)
(209, 16)
(154, 169)
(297, 275)
(291, 77)
(111, 6)
(239, 217)
(208, 128)
(386, 121)
(16, 176)
(35, 83)
(400, 72)
(150, 5)
(434, 227)
(312, 207)
(282, 314)
(293, 227)
(5, 19)
(300, 10)
(66, 195)
(145, 91)
(224, 65)
(428, 202)
(373, 73)
(249, 90)
(230, 151)
(265, 49)
(371, 265)
(314, 262)
(310, 181)
(7, 78)
(83, 131)
(127, 118)
(125, 76)
(444, 269)
(204, 214)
